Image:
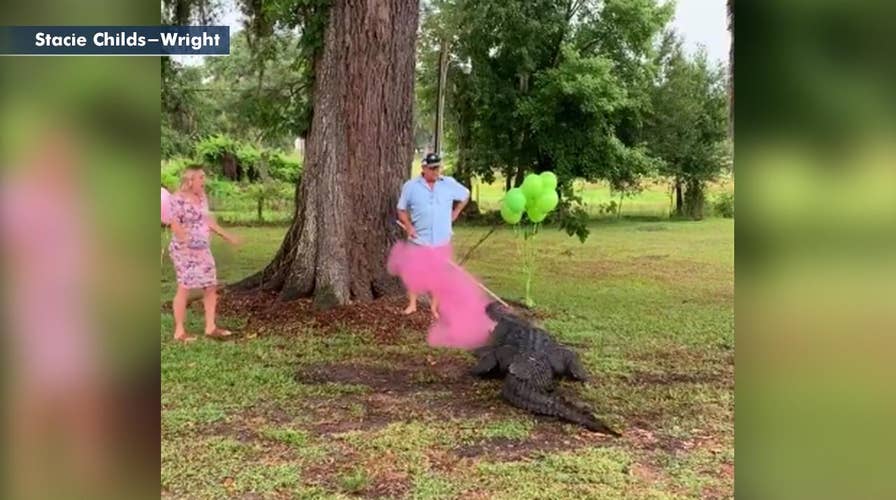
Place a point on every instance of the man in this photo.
(430, 200)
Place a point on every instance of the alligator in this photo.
(530, 362)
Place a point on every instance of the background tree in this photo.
(261, 98)
(561, 85)
(184, 112)
(688, 124)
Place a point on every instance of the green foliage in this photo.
(219, 190)
(186, 114)
(609, 208)
(248, 156)
(262, 193)
(213, 149)
(240, 161)
(571, 215)
(262, 88)
(687, 128)
(545, 85)
(220, 152)
(284, 168)
(723, 205)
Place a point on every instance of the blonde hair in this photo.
(186, 177)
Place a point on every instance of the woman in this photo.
(191, 252)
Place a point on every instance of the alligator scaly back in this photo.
(530, 386)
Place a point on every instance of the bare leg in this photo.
(179, 304)
(434, 306)
(412, 303)
(210, 303)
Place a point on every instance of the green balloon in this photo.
(536, 216)
(510, 216)
(515, 200)
(531, 204)
(548, 201)
(548, 181)
(532, 186)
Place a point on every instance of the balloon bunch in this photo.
(537, 197)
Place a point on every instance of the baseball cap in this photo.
(432, 159)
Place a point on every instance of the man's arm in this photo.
(462, 197)
(403, 213)
(406, 221)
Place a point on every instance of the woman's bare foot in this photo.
(411, 309)
(183, 337)
(218, 333)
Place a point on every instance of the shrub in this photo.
(284, 168)
(723, 205)
(248, 157)
(220, 151)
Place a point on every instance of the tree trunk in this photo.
(679, 202)
(357, 152)
(440, 97)
(694, 200)
(230, 167)
(520, 175)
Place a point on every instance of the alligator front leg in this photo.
(487, 364)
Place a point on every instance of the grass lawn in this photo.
(311, 414)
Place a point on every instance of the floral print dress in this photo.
(192, 259)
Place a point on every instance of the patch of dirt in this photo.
(647, 473)
(431, 390)
(420, 389)
(388, 484)
(246, 425)
(265, 313)
(410, 376)
(384, 318)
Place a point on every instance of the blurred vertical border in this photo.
(816, 248)
(80, 152)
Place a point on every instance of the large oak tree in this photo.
(358, 151)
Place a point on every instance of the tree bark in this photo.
(440, 97)
(694, 199)
(679, 201)
(520, 176)
(357, 152)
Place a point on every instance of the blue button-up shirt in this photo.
(431, 208)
